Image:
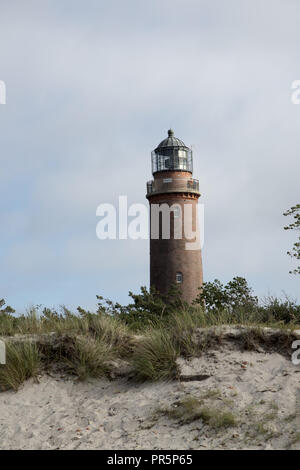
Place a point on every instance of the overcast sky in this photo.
(92, 88)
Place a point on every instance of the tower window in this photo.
(179, 278)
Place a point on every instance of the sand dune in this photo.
(261, 390)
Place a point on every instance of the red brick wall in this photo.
(167, 257)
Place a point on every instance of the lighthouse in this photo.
(175, 252)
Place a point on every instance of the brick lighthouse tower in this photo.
(175, 254)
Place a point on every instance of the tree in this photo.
(295, 225)
(236, 294)
(212, 296)
(5, 309)
(240, 294)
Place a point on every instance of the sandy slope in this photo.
(57, 413)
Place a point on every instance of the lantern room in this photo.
(172, 155)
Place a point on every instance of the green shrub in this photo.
(278, 310)
(214, 296)
(5, 309)
(7, 320)
(148, 309)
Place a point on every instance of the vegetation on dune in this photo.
(82, 345)
(216, 304)
(251, 339)
(150, 333)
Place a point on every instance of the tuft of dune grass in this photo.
(22, 363)
(83, 356)
(112, 332)
(88, 357)
(184, 324)
(181, 326)
(191, 408)
(154, 357)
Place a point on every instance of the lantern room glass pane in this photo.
(171, 159)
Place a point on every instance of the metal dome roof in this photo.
(171, 141)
